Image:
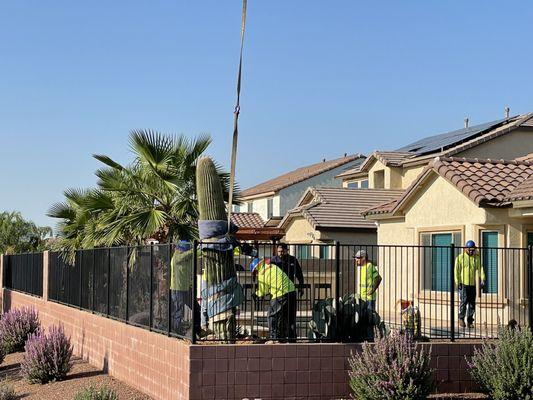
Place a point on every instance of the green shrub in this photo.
(91, 393)
(391, 368)
(504, 368)
(7, 392)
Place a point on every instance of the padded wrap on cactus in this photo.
(218, 265)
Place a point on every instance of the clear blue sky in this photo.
(320, 79)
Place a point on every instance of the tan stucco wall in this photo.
(299, 230)
(376, 166)
(409, 174)
(509, 146)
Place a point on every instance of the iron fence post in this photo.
(337, 284)
(108, 278)
(94, 281)
(530, 286)
(81, 274)
(452, 292)
(151, 285)
(194, 291)
(169, 300)
(127, 284)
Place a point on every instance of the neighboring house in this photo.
(251, 227)
(451, 201)
(325, 215)
(507, 138)
(275, 197)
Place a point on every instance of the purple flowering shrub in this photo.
(15, 327)
(391, 368)
(47, 356)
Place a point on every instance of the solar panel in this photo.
(445, 140)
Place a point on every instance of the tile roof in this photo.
(485, 182)
(339, 207)
(247, 220)
(388, 158)
(298, 175)
(524, 191)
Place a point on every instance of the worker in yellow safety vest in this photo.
(369, 281)
(271, 280)
(467, 264)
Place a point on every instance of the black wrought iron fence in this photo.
(147, 286)
(432, 291)
(24, 273)
(301, 292)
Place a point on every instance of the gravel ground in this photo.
(80, 376)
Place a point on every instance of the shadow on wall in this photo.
(6, 300)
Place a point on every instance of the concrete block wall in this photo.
(302, 371)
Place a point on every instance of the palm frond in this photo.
(108, 161)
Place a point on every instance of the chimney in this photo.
(466, 123)
(507, 110)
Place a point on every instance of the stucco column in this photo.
(46, 258)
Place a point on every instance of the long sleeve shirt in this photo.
(466, 266)
(290, 265)
(273, 281)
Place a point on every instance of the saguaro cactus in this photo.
(218, 265)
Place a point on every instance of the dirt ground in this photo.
(456, 396)
(80, 376)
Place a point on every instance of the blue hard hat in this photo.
(470, 244)
(254, 263)
(183, 245)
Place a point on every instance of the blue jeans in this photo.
(370, 308)
(467, 306)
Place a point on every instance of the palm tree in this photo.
(153, 197)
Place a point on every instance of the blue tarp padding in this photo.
(222, 296)
(218, 230)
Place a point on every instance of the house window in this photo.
(250, 206)
(236, 208)
(270, 208)
(489, 258)
(358, 184)
(436, 259)
(324, 252)
(379, 179)
(302, 251)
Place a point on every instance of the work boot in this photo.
(462, 323)
(470, 325)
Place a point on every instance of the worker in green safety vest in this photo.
(467, 264)
(271, 280)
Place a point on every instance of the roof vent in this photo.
(345, 154)
(466, 123)
(323, 160)
(507, 111)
